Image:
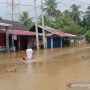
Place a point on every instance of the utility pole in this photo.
(12, 8)
(36, 27)
(12, 24)
(43, 25)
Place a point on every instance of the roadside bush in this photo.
(87, 36)
(74, 29)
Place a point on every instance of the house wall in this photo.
(2, 39)
(48, 42)
(56, 41)
(23, 42)
(65, 42)
(31, 41)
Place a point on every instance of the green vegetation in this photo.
(87, 17)
(87, 36)
(51, 8)
(24, 18)
(72, 21)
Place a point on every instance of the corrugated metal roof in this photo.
(15, 24)
(49, 29)
(62, 34)
(19, 32)
(5, 25)
(56, 32)
(2, 30)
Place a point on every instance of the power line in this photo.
(62, 2)
(71, 1)
(68, 4)
(39, 6)
(20, 4)
(80, 2)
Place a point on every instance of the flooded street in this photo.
(50, 69)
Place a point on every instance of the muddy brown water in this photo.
(50, 69)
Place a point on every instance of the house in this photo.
(18, 35)
(53, 38)
(15, 36)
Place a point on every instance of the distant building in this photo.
(53, 38)
(19, 36)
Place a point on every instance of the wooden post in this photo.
(7, 40)
(46, 42)
(19, 42)
(51, 42)
(61, 43)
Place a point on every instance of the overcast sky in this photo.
(62, 5)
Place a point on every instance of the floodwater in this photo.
(50, 69)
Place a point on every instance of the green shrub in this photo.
(74, 29)
(87, 36)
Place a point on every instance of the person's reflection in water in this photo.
(29, 68)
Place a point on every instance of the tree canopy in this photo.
(70, 21)
(75, 13)
(24, 18)
(87, 17)
(51, 8)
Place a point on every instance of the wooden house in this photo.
(18, 35)
(53, 38)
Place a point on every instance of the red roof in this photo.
(2, 30)
(19, 32)
(62, 34)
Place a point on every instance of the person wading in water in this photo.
(29, 54)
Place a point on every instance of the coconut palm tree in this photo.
(51, 8)
(46, 20)
(87, 17)
(66, 13)
(75, 13)
(24, 18)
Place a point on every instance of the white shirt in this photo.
(29, 53)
